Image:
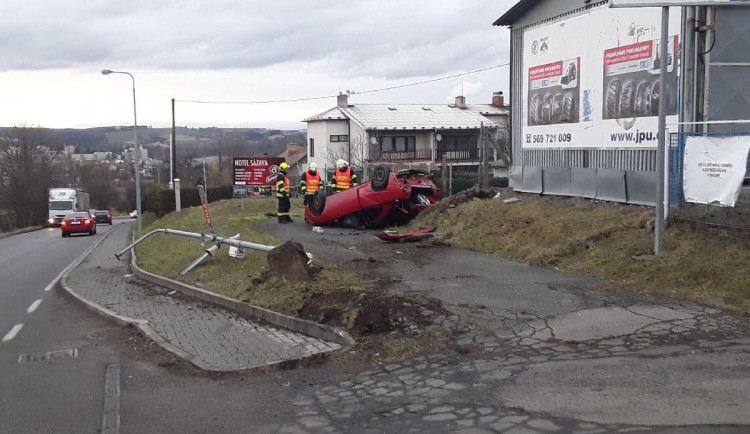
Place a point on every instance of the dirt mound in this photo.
(368, 314)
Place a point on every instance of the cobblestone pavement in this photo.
(490, 390)
(211, 338)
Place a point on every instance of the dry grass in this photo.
(603, 239)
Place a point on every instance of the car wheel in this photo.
(318, 203)
(380, 177)
(63, 234)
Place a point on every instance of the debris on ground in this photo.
(410, 236)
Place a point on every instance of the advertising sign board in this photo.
(592, 80)
(663, 3)
(256, 171)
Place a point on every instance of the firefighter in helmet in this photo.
(310, 182)
(282, 194)
(344, 177)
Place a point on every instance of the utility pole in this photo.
(174, 147)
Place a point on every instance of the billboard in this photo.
(662, 3)
(256, 171)
(592, 80)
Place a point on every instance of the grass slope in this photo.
(608, 240)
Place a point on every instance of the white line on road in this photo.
(52, 284)
(13, 332)
(33, 306)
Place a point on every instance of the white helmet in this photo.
(341, 163)
(313, 166)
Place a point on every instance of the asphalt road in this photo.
(52, 355)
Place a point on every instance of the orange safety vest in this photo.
(343, 179)
(282, 191)
(312, 182)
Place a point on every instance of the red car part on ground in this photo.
(387, 199)
(76, 223)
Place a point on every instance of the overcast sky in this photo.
(52, 52)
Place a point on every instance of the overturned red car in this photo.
(387, 199)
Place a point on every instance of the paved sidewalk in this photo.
(211, 338)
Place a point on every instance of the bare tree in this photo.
(355, 152)
(97, 180)
(25, 176)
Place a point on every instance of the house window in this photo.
(340, 138)
(459, 142)
(400, 143)
(311, 153)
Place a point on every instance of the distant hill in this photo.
(191, 142)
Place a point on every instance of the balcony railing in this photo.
(458, 154)
(414, 154)
(426, 155)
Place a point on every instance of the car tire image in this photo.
(535, 110)
(555, 112)
(643, 99)
(568, 108)
(546, 109)
(627, 100)
(613, 98)
(318, 203)
(380, 177)
(655, 98)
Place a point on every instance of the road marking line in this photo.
(13, 332)
(33, 306)
(52, 284)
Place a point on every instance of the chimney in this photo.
(460, 101)
(342, 100)
(497, 99)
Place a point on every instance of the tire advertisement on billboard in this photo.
(592, 80)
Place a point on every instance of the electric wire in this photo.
(382, 89)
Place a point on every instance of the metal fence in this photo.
(737, 217)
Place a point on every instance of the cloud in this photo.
(379, 38)
(51, 53)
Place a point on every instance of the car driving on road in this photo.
(78, 223)
(103, 216)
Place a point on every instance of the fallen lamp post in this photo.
(216, 241)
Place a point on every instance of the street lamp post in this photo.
(137, 150)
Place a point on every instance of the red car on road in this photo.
(387, 199)
(77, 223)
